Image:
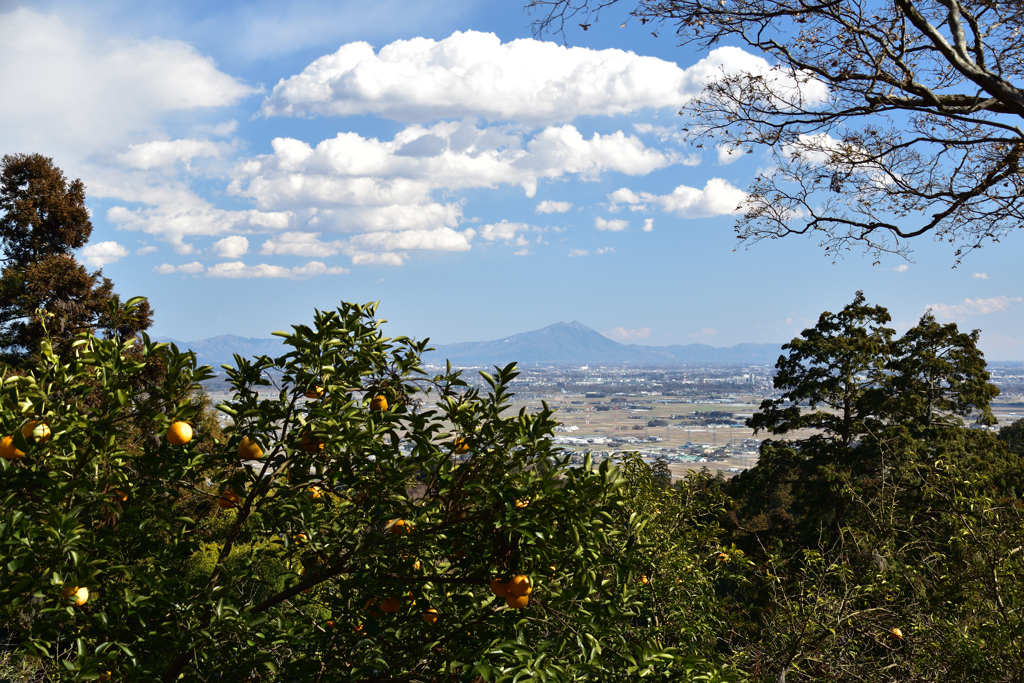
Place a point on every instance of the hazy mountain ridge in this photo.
(562, 343)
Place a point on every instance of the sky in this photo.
(248, 162)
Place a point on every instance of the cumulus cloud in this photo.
(142, 251)
(189, 268)
(300, 244)
(727, 154)
(231, 247)
(475, 74)
(717, 198)
(238, 270)
(622, 334)
(902, 268)
(980, 276)
(971, 307)
(118, 89)
(612, 225)
(159, 153)
(100, 254)
(578, 252)
(648, 224)
(548, 206)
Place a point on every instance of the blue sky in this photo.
(248, 163)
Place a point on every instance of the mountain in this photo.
(217, 351)
(561, 344)
(574, 343)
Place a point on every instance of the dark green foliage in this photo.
(43, 219)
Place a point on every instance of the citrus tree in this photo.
(359, 520)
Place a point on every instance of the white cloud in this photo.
(142, 251)
(707, 333)
(622, 334)
(902, 268)
(88, 94)
(717, 198)
(439, 239)
(648, 224)
(100, 254)
(980, 276)
(159, 153)
(231, 247)
(300, 244)
(548, 206)
(971, 307)
(238, 269)
(475, 74)
(612, 225)
(604, 250)
(727, 155)
(188, 268)
(506, 231)
(578, 252)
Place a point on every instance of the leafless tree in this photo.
(886, 120)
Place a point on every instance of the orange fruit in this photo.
(314, 492)
(248, 449)
(309, 444)
(517, 601)
(78, 595)
(179, 433)
(644, 580)
(461, 447)
(398, 526)
(36, 432)
(416, 565)
(519, 586)
(121, 494)
(329, 623)
(390, 605)
(8, 451)
(431, 616)
(378, 403)
(499, 588)
(228, 499)
(896, 633)
(302, 537)
(104, 677)
(525, 502)
(358, 627)
(373, 613)
(314, 393)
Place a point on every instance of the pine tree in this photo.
(43, 220)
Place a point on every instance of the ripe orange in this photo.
(373, 613)
(8, 451)
(314, 492)
(896, 633)
(390, 605)
(104, 677)
(179, 433)
(525, 502)
(118, 493)
(519, 586)
(248, 449)
(378, 403)
(431, 616)
(36, 432)
(301, 537)
(78, 595)
(461, 447)
(315, 393)
(228, 499)
(309, 444)
(499, 588)
(517, 601)
(329, 623)
(644, 580)
(398, 526)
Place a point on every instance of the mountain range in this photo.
(562, 343)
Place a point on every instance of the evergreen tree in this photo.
(43, 220)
